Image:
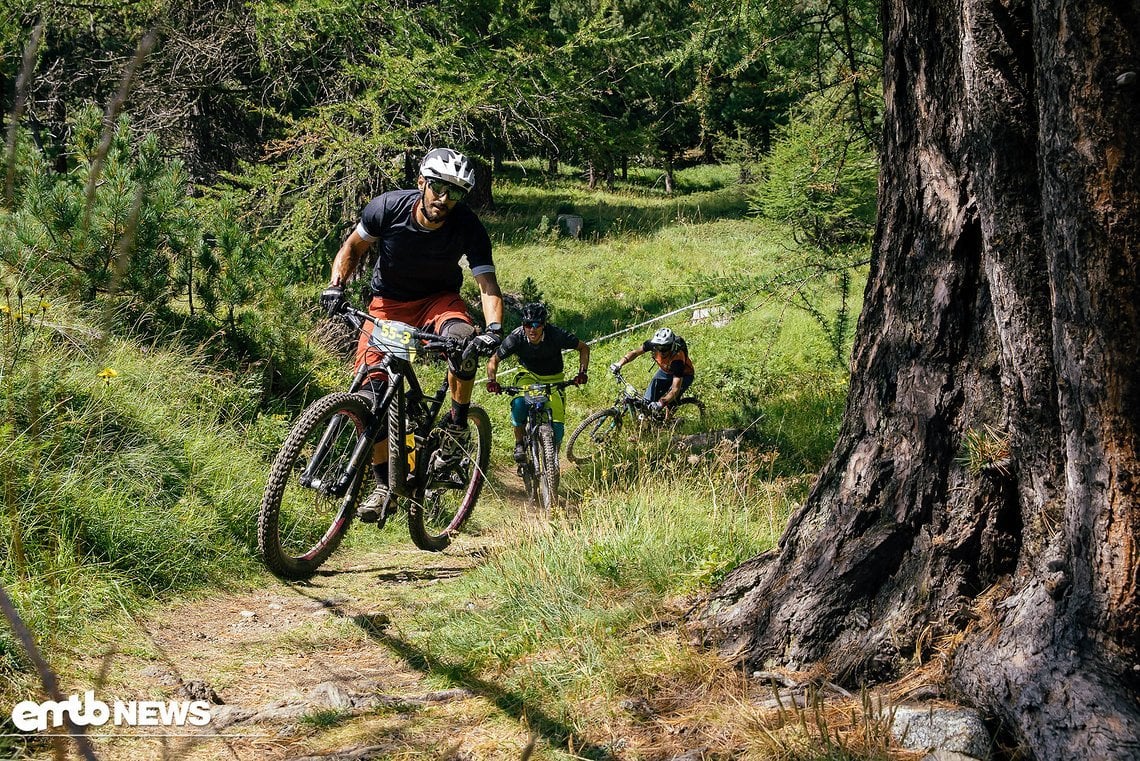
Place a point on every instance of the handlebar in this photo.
(628, 388)
(517, 389)
(431, 341)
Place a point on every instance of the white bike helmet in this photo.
(449, 166)
(664, 340)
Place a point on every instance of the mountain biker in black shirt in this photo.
(538, 344)
(420, 236)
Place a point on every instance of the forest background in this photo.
(177, 177)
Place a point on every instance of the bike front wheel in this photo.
(455, 468)
(546, 467)
(595, 435)
(310, 498)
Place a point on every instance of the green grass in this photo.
(769, 370)
(123, 488)
(125, 491)
(559, 613)
(324, 718)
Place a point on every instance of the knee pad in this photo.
(463, 368)
(454, 328)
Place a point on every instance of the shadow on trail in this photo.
(388, 573)
(540, 723)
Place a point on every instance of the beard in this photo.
(433, 212)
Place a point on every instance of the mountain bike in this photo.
(601, 431)
(539, 469)
(434, 472)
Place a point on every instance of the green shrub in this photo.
(125, 478)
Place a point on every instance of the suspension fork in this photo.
(360, 454)
(363, 445)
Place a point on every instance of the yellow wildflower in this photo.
(107, 373)
(5, 309)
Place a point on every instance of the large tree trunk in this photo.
(1003, 306)
(482, 197)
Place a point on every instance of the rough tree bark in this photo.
(1003, 305)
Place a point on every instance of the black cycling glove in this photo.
(333, 300)
(486, 342)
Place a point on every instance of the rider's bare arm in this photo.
(674, 392)
(491, 297)
(347, 258)
(492, 367)
(630, 356)
(583, 357)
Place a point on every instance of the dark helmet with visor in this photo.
(535, 312)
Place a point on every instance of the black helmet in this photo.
(535, 312)
(664, 340)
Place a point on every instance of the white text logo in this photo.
(88, 711)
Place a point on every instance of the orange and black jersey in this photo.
(677, 364)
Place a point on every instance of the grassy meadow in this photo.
(133, 467)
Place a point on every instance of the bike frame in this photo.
(630, 401)
(537, 399)
(419, 407)
(536, 396)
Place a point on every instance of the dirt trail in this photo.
(313, 670)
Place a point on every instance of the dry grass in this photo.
(682, 698)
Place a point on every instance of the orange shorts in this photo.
(426, 314)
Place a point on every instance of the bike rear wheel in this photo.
(593, 436)
(546, 467)
(300, 524)
(450, 484)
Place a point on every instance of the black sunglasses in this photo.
(441, 188)
(533, 323)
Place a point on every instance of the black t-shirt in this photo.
(414, 263)
(544, 357)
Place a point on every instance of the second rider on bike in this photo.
(420, 236)
(674, 369)
(539, 344)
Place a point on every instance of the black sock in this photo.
(380, 473)
(459, 413)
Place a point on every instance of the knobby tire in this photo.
(688, 409)
(593, 434)
(298, 527)
(546, 468)
(438, 509)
